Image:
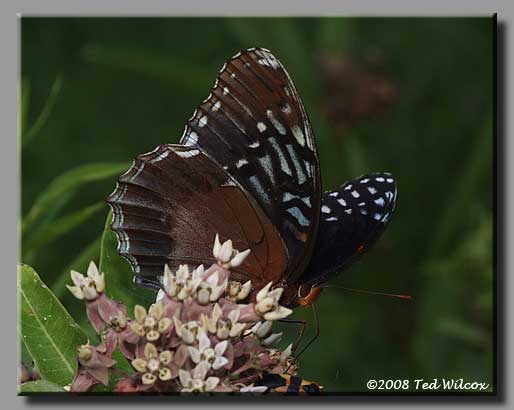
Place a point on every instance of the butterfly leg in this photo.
(303, 325)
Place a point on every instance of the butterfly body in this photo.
(247, 169)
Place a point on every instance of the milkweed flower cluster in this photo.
(204, 333)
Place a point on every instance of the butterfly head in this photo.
(308, 295)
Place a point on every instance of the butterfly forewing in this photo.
(255, 126)
(352, 219)
(170, 204)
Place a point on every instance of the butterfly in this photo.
(247, 168)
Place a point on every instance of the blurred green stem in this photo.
(43, 116)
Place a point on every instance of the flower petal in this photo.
(219, 362)
(150, 351)
(76, 291)
(203, 342)
(139, 364)
(239, 258)
(217, 247)
(279, 313)
(226, 251)
(211, 383)
(165, 357)
(185, 377)
(139, 314)
(220, 348)
(194, 354)
(200, 371)
(77, 278)
(92, 271)
(263, 292)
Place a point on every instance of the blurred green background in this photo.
(412, 96)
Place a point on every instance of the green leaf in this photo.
(118, 273)
(60, 227)
(80, 263)
(48, 331)
(66, 183)
(39, 386)
(44, 114)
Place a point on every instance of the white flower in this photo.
(253, 389)
(153, 365)
(262, 330)
(87, 287)
(267, 304)
(196, 382)
(205, 354)
(151, 324)
(188, 331)
(237, 291)
(226, 255)
(183, 283)
(235, 328)
(208, 290)
(286, 354)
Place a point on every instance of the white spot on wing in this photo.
(229, 182)
(187, 154)
(372, 190)
(335, 193)
(284, 166)
(379, 179)
(298, 134)
(308, 167)
(365, 180)
(258, 187)
(261, 127)
(203, 121)
(216, 106)
(355, 194)
(191, 139)
(276, 123)
(299, 171)
(331, 219)
(241, 162)
(390, 180)
(380, 201)
(325, 209)
(377, 216)
(267, 166)
(254, 144)
(163, 155)
(342, 201)
(298, 215)
(286, 109)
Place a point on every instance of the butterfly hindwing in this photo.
(170, 204)
(255, 126)
(352, 219)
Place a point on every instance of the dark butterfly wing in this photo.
(169, 206)
(255, 126)
(352, 219)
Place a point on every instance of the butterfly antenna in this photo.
(370, 292)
